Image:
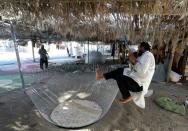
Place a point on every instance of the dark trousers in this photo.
(125, 83)
(42, 62)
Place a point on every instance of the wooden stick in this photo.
(174, 45)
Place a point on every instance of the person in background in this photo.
(68, 52)
(122, 54)
(113, 51)
(133, 83)
(43, 57)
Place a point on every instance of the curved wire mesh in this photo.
(48, 93)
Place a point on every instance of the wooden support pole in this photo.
(97, 46)
(88, 52)
(103, 48)
(174, 45)
(17, 54)
(33, 52)
(185, 59)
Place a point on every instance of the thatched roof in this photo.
(95, 19)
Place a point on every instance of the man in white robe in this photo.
(134, 82)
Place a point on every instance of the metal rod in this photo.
(33, 53)
(88, 51)
(103, 48)
(17, 54)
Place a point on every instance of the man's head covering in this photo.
(133, 50)
(150, 44)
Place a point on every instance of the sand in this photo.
(17, 113)
(4, 83)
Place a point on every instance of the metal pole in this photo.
(84, 48)
(48, 40)
(17, 54)
(97, 46)
(103, 48)
(33, 53)
(88, 51)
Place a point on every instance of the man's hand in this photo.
(132, 58)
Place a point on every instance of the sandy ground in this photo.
(17, 113)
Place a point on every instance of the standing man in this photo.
(133, 83)
(68, 52)
(43, 57)
(113, 50)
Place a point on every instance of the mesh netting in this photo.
(55, 87)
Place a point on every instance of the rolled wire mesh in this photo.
(51, 86)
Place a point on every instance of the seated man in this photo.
(133, 83)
